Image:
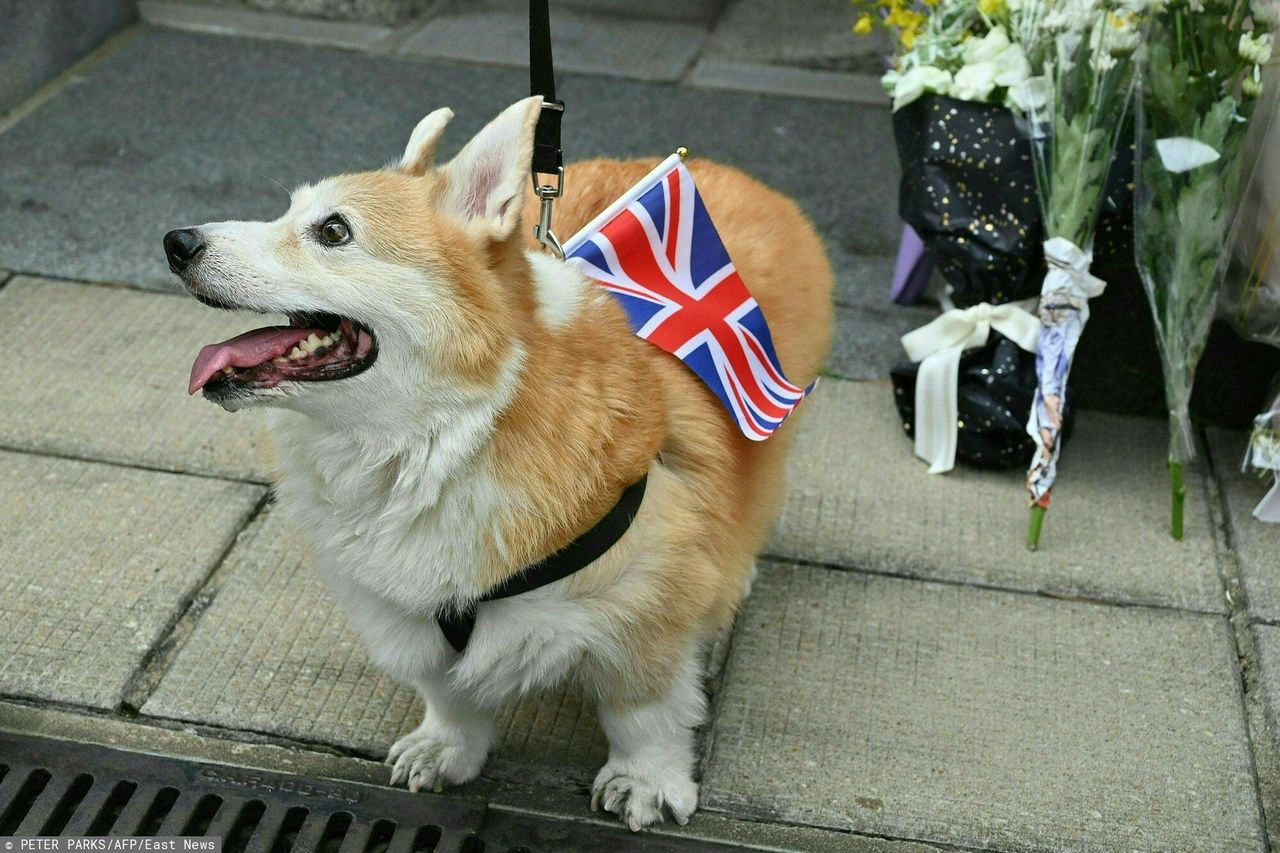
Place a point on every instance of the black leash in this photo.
(547, 158)
(578, 554)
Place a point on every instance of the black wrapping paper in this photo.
(968, 188)
(993, 399)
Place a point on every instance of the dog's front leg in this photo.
(651, 753)
(450, 746)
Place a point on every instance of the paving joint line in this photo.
(159, 659)
(174, 724)
(1047, 594)
(1246, 668)
(713, 686)
(854, 833)
(135, 466)
(111, 285)
(392, 46)
(51, 89)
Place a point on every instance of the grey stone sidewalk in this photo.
(905, 676)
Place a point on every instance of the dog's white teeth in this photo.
(310, 343)
(227, 371)
(296, 354)
(279, 360)
(326, 341)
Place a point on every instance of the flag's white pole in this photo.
(614, 209)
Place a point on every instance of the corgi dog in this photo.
(450, 405)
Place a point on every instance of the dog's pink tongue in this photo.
(247, 350)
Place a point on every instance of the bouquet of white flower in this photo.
(1087, 51)
(960, 48)
(1199, 93)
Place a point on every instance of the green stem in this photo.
(1179, 491)
(1037, 522)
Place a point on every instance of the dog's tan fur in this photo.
(730, 485)
(526, 411)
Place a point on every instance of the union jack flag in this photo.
(657, 251)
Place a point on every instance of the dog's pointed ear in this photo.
(485, 183)
(420, 153)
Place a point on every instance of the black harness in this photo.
(457, 625)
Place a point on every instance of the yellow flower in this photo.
(991, 8)
(863, 26)
(908, 39)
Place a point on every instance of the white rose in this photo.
(1267, 11)
(987, 48)
(1255, 49)
(911, 84)
(1012, 66)
(974, 82)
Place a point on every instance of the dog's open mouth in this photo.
(312, 348)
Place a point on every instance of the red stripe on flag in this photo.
(673, 215)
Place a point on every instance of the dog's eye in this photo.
(334, 231)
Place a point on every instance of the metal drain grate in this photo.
(55, 787)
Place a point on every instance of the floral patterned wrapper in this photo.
(1090, 50)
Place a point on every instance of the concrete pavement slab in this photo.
(1257, 545)
(97, 563)
(858, 497)
(691, 11)
(253, 23)
(862, 281)
(273, 654)
(176, 129)
(980, 718)
(1264, 718)
(40, 40)
(497, 32)
(867, 342)
(105, 378)
(814, 34)
(379, 11)
(787, 81)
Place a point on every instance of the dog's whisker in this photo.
(280, 185)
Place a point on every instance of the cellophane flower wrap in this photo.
(1200, 90)
(1250, 294)
(1087, 51)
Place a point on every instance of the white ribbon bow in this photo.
(937, 346)
(1069, 269)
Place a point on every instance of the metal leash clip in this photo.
(547, 194)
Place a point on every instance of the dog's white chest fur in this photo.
(402, 525)
(397, 539)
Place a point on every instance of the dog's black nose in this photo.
(182, 247)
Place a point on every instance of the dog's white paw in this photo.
(424, 760)
(639, 795)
